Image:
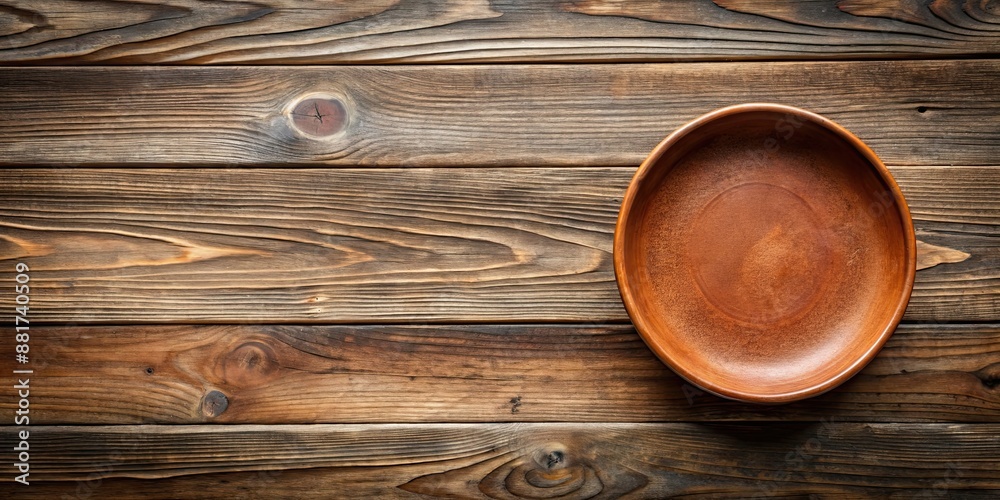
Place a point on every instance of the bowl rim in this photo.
(643, 328)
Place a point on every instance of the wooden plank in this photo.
(910, 112)
(391, 245)
(940, 219)
(298, 374)
(841, 460)
(389, 31)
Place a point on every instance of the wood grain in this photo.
(394, 31)
(537, 115)
(403, 403)
(515, 461)
(390, 245)
(298, 374)
(931, 255)
(939, 221)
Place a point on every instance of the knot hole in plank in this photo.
(319, 116)
(214, 404)
(989, 376)
(550, 470)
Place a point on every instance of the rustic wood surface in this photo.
(910, 112)
(439, 245)
(394, 31)
(332, 323)
(384, 374)
(518, 461)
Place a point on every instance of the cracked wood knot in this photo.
(319, 116)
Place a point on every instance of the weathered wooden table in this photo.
(300, 249)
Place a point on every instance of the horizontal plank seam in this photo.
(549, 423)
(485, 322)
(552, 62)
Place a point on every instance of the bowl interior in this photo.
(764, 253)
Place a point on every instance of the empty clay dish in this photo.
(764, 253)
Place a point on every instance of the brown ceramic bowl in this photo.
(764, 253)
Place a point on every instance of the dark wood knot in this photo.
(214, 404)
(552, 470)
(989, 376)
(319, 116)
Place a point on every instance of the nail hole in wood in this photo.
(921, 109)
